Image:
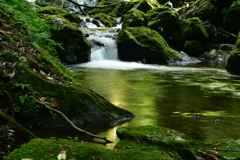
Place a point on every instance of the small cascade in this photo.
(104, 47)
(91, 23)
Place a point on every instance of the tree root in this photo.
(79, 129)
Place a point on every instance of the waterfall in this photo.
(103, 48)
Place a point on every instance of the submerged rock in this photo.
(142, 44)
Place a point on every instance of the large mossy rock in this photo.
(231, 21)
(191, 29)
(210, 12)
(75, 47)
(134, 18)
(123, 8)
(45, 77)
(60, 11)
(156, 138)
(163, 19)
(146, 5)
(105, 10)
(142, 44)
(49, 149)
(233, 62)
(105, 19)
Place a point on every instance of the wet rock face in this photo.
(144, 45)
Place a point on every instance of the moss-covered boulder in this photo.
(163, 19)
(75, 47)
(105, 19)
(145, 45)
(49, 149)
(77, 102)
(143, 142)
(146, 5)
(210, 12)
(156, 138)
(233, 62)
(231, 21)
(60, 11)
(191, 29)
(123, 8)
(105, 10)
(193, 48)
(134, 18)
(226, 47)
(216, 36)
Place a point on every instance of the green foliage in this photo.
(25, 14)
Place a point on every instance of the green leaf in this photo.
(22, 99)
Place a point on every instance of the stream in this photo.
(168, 96)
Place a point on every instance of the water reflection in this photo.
(168, 96)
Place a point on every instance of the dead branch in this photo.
(79, 129)
(224, 150)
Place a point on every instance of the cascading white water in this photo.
(107, 49)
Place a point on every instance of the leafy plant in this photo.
(25, 14)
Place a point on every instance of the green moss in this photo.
(212, 55)
(123, 8)
(190, 29)
(77, 48)
(50, 10)
(105, 10)
(164, 20)
(159, 138)
(146, 45)
(105, 19)
(226, 47)
(134, 18)
(146, 5)
(50, 148)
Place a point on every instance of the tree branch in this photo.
(224, 150)
(79, 129)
